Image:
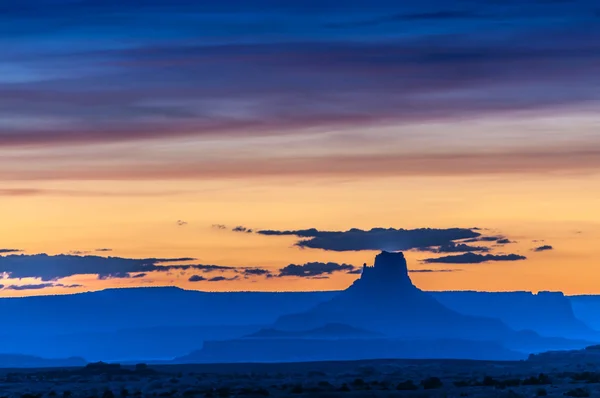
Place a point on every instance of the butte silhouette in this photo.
(385, 300)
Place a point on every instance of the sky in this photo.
(286, 143)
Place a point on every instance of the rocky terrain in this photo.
(554, 375)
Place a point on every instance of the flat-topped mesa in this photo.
(388, 272)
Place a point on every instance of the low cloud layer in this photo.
(473, 258)
(51, 268)
(39, 286)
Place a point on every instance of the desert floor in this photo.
(377, 378)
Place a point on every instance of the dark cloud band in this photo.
(390, 239)
(472, 258)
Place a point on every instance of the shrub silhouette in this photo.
(344, 388)
(432, 383)
(489, 381)
(588, 377)
(541, 392)
(508, 383)
(262, 391)
(408, 385)
(542, 379)
(578, 392)
(297, 389)
(359, 383)
(252, 391)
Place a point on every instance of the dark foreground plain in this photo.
(575, 374)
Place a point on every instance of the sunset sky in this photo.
(169, 130)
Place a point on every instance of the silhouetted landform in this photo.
(116, 309)
(328, 331)
(385, 300)
(28, 361)
(547, 313)
(587, 308)
(299, 350)
(164, 323)
(125, 345)
(138, 323)
(588, 355)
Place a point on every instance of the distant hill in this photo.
(587, 308)
(385, 300)
(328, 331)
(306, 350)
(138, 323)
(166, 322)
(117, 309)
(547, 313)
(9, 361)
(150, 343)
(573, 358)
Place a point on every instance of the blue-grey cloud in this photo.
(473, 258)
(129, 71)
(437, 16)
(6, 251)
(222, 279)
(196, 278)
(256, 272)
(483, 239)
(315, 269)
(241, 228)
(543, 248)
(390, 239)
(51, 268)
(455, 248)
(432, 271)
(39, 286)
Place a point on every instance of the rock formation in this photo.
(547, 313)
(384, 299)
